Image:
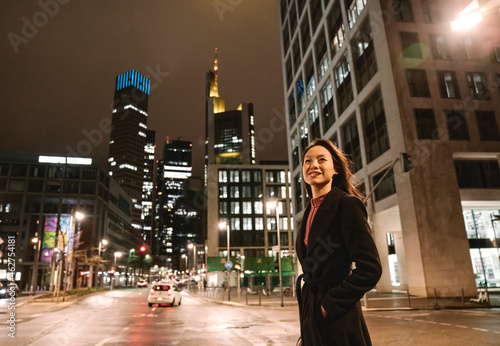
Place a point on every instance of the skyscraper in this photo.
(382, 78)
(173, 172)
(128, 137)
(148, 187)
(230, 137)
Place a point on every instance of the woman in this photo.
(334, 238)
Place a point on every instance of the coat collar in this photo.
(321, 223)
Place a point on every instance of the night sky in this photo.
(59, 64)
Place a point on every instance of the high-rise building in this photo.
(230, 137)
(148, 190)
(382, 78)
(174, 170)
(128, 137)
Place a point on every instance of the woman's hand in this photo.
(323, 312)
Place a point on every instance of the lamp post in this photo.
(38, 241)
(102, 243)
(117, 254)
(225, 225)
(275, 206)
(193, 246)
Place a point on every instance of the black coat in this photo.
(340, 235)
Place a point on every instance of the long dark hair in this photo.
(342, 179)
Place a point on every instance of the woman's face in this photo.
(318, 170)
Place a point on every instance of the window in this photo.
(286, 37)
(296, 55)
(304, 137)
(247, 207)
(271, 223)
(291, 109)
(19, 170)
(448, 85)
(37, 171)
(274, 176)
(327, 110)
(246, 191)
(417, 83)
(257, 176)
(259, 224)
(387, 187)
(466, 48)
(234, 176)
(222, 176)
(258, 207)
(235, 192)
(17, 185)
(314, 120)
(457, 125)
(257, 191)
(345, 93)
(354, 9)
(295, 150)
(425, 122)
(222, 207)
(222, 191)
(403, 11)
(411, 45)
(478, 87)
(336, 27)
(301, 100)
(311, 80)
(235, 208)
(235, 224)
(245, 176)
(35, 185)
(487, 124)
(430, 9)
(305, 34)
(373, 114)
(364, 56)
(350, 138)
(321, 54)
(298, 192)
(478, 174)
(247, 223)
(439, 47)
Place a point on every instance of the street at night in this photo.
(123, 317)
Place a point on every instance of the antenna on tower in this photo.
(216, 67)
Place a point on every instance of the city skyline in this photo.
(60, 68)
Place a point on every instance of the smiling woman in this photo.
(335, 237)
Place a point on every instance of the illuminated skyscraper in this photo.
(147, 187)
(230, 135)
(173, 172)
(128, 137)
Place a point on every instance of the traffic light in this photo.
(407, 162)
(142, 249)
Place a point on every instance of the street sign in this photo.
(228, 265)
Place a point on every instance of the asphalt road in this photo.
(123, 317)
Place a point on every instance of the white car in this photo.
(163, 294)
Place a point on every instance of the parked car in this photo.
(164, 294)
(142, 283)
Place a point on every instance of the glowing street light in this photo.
(473, 14)
(37, 241)
(274, 205)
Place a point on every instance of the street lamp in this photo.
(193, 246)
(225, 225)
(37, 241)
(473, 14)
(274, 204)
(102, 243)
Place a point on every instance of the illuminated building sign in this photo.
(133, 78)
(64, 160)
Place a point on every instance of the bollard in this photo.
(409, 301)
(259, 297)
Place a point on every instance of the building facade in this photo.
(128, 137)
(148, 191)
(382, 78)
(240, 202)
(40, 196)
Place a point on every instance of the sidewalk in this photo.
(396, 300)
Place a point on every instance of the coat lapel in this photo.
(323, 218)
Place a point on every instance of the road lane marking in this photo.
(445, 324)
(460, 326)
(103, 342)
(433, 322)
(480, 329)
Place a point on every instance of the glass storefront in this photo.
(483, 232)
